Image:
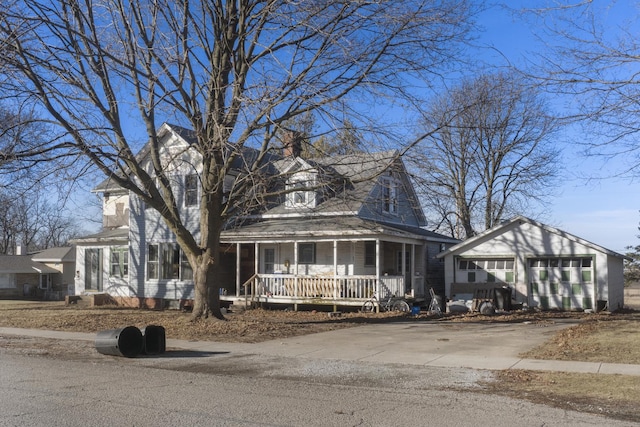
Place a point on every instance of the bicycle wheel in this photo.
(368, 307)
(401, 305)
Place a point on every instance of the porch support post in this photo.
(413, 269)
(295, 271)
(238, 254)
(335, 271)
(256, 266)
(404, 268)
(377, 287)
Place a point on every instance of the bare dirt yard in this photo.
(601, 337)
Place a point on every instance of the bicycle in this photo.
(392, 303)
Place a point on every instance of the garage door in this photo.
(561, 283)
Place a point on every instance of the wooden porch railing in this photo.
(328, 287)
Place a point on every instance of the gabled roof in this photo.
(60, 254)
(499, 229)
(188, 137)
(354, 176)
(23, 264)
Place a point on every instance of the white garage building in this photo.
(544, 267)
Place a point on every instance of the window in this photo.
(170, 261)
(119, 262)
(390, 196)
(165, 261)
(576, 289)
(153, 262)
(186, 272)
(471, 276)
(300, 194)
(191, 190)
(369, 254)
(307, 253)
(7, 280)
(269, 260)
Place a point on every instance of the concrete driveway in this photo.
(438, 343)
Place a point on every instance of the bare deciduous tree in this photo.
(33, 223)
(590, 62)
(490, 156)
(106, 73)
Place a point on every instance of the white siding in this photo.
(523, 241)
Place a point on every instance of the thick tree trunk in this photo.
(207, 290)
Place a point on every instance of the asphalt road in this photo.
(221, 389)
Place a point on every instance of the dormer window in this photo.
(300, 194)
(390, 195)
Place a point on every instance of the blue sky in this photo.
(603, 211)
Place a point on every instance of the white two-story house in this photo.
(341, 229)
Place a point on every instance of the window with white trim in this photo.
(119, 262)
(496, 270)
(166, 261)
(390, 195)
(300, 193)
(369, 254)
(170, 261)
(191, 190)
(186, 271)
(153, 262)
(307, 253)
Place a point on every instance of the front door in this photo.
(93, 269)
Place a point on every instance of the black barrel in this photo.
(155, 339)
(127, 342)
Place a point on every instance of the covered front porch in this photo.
(339, 272)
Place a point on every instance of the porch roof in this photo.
(344, 228)
(23, 264)
(117, 236)
(58, 254)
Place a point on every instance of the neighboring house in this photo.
(342, 229)
(545, 267)
(45, 275)
(63, 261)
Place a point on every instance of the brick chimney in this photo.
(291, 143)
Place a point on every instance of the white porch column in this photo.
(238, 255)
(256, 266)
(335, 269)
(295, 268)
(412, 273)
(377, 288)
(404, 268)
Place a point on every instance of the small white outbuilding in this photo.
(544, 267)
